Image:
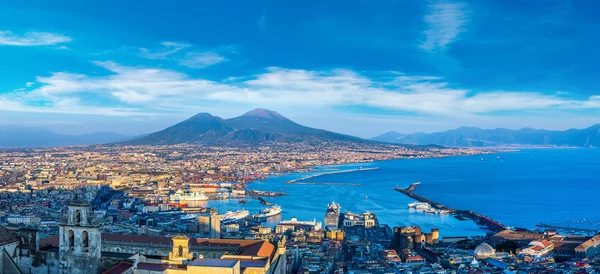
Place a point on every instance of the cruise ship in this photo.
(231, 216)
(180, 196)
(269, 212)
(332, 216)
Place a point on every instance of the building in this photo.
(367, 219)
(336, 234)
(8, 251)
(80, 242)
(411, 237)
(521, 238)
(538, 248)
(215, 225)
(589, 248)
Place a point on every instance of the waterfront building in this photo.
(294, 225)
(521, 238)
(589, 248)
(367, 219)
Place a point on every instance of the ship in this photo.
(188, 217)
(269, 212)
(187, 196)
(231, 216)
(332, 216)
(419, 205)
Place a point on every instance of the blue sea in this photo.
(521, 189)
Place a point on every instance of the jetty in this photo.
(460, 214)
(300, 181)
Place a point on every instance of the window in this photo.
(71, 241)
(77, 216)
(180, 251)
(85, 241)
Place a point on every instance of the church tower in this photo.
(181, 250)
(80, 243)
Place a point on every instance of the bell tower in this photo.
(80, 243)
(181, 250)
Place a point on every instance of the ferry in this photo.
(419, 205)
(231, 216)
(187, 196)
(269, 212)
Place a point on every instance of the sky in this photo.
(358, 67)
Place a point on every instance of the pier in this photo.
(464, 214)
(299, 181)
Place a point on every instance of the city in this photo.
(299, 137)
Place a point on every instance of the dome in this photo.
(484, 250)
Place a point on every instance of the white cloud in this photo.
(445, 21)
(168, 49)
(201, 59)
(157, 90)
(32, 39)
(174, 51)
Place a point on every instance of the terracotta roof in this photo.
(50, 241)
(119, 269)
(152, 267)
(6, 237)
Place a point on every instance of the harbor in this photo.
(302, 181)
(459, 214)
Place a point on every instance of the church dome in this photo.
(484, 250)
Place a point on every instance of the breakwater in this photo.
(301, 181)
(463, 214)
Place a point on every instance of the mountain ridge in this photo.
(253, 127)
(478, 137)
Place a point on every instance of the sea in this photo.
(559, 187)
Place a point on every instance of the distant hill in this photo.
(22, 137)
(256, 126)
(477, 137)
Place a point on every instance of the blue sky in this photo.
(357, 67)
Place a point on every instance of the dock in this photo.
(464, 214)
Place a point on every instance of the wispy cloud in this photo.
(8, 38)
(176, 51)
(201, 59)
(168, 48)
(445, 21)
(133, 90)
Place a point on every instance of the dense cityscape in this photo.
(139, 209)
(299, 137)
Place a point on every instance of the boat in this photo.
(419, 205)
(231, 216)
(187, 196)
(188, 217)
(269, 212)
(332, 216)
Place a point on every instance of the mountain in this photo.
(20, 137)
(477, 137)
(256, 126)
